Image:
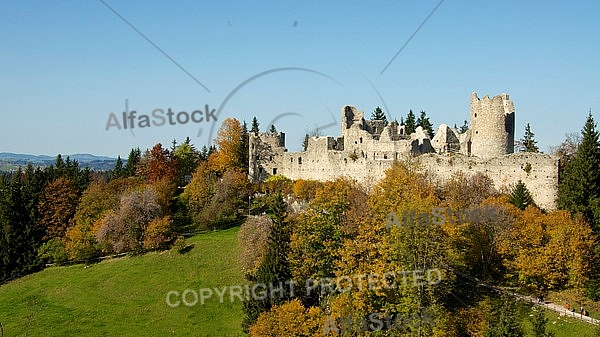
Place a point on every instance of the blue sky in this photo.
(65, 66)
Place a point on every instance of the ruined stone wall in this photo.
(265, 155)
(505, 171)
(492, 126)
(366, 149)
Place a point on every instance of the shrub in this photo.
(180, 245)
(252, 240)
(53, 251)
(158, 234)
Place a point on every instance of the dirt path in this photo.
(560, 309)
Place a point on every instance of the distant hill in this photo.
(11, 161)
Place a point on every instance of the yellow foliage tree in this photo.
(379, 250)
(228, 140)
(549, 250)
(289, 319)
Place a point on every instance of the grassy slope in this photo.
(126, 297)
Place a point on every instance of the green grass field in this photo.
(561, 326)
(127, 296)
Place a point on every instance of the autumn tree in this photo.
(378, 248)
(252, 240)
(318, 233)
(57, 207)
(306, 189)
(125, 229)
(547, 251)
(463, 191)
(229, 196)
(200, 190)
(229, 137)
(289, 319)
(161, 164)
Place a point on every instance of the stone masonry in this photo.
(367, 148)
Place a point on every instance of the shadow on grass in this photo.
(187, 249)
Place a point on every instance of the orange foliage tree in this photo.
(57, 207)
(161, 164)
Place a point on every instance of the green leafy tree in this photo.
(528, 143)
(255, 125)
(423, 121)
(379, 115)
(578, 189)
(520, 196)
(186, 156)
(272, 130)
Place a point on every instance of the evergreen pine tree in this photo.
(272, 130)
(211, 149)
(204, 153)
(463, 128)
(274, 271)
(132, 160)
(255, 125)
(578, 189)
(243, 149)
(520, 196)
(118, 170)
(539, 321)
(423, 121)
(410, 123)
(379, 115)
(505, 322)
(528, 144)
(305, 142)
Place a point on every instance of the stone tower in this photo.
(492, 126)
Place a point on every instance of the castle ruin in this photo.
(366, 148)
